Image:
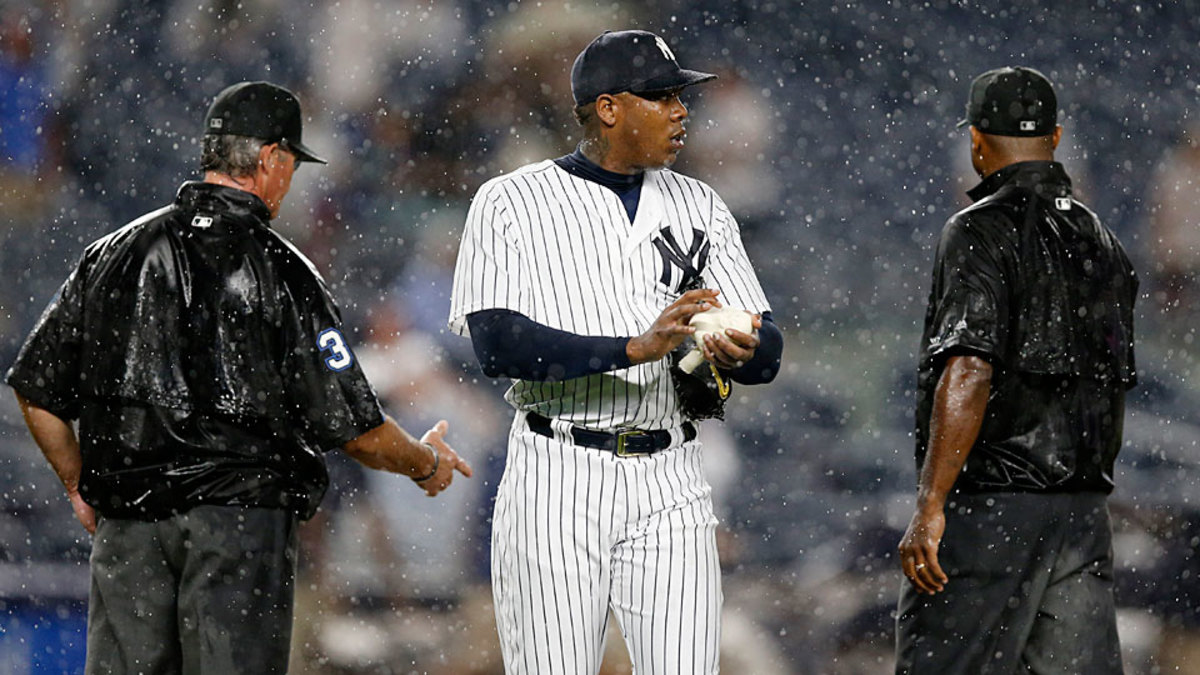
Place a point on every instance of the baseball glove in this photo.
(702, 392)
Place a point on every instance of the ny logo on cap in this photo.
(1028, 125)
(662, 47)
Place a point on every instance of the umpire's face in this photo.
(276, 166)
(648, 130)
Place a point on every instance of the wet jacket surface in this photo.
(202, 355)
(1030, 280)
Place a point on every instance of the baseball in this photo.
(714, 322)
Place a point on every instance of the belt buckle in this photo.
(621, 450)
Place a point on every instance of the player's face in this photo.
(653, 129)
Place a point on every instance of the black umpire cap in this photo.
(260, 110)
(635, 61)
(1012, 102)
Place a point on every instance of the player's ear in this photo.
(607, 109)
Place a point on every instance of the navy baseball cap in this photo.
(260, 110)
(635, 61)
(1012, 102)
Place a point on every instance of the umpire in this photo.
(1026, 356)
(203, 358)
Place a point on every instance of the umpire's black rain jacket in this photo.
(202, 355)
(1030, 280)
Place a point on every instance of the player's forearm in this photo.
(388, 447)
(509, 344)
(57, 441)
(959, 403)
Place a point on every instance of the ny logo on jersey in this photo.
(690, 264)
(662, 47)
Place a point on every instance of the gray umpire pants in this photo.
(1030, 591)
(205, 592)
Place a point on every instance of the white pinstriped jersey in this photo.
(561, 250)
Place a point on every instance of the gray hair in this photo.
(229, 154)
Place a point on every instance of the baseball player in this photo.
(577, 277)
(204, 360)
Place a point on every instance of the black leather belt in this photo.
(621, 443)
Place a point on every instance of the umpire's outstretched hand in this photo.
(446, 461)
(671, 327)
(430, 462)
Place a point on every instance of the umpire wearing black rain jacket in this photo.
(1025, 360)
(203, 358)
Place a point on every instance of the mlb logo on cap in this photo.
(1028, 125)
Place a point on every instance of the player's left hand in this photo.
(734, 348)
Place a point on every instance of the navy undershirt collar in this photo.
(627, 186)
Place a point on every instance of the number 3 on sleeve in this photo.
(331, 340)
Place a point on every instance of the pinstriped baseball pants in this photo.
(578, 531)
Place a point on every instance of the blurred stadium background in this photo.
(830, 133)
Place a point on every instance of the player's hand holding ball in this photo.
(711, 326)
(671, 327)
(723, 338)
